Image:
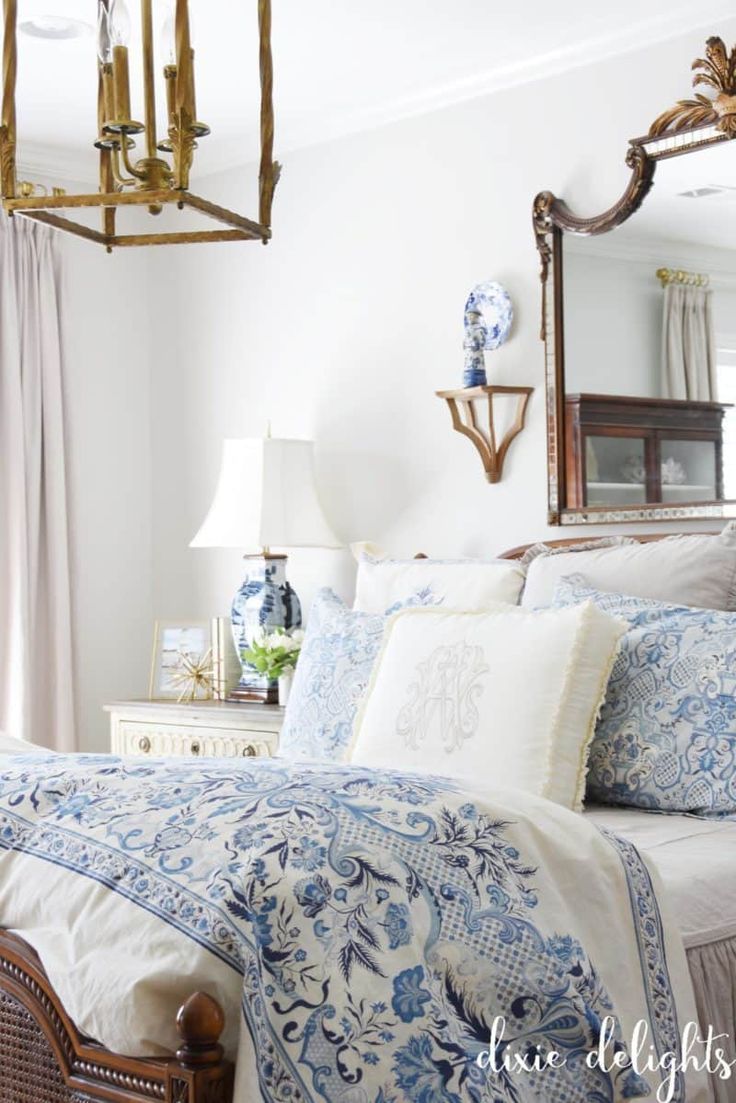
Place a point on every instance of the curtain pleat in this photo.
(36, 677)
(688, 344)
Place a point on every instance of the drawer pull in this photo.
(249, 751)
(195, 748)
(144, 744)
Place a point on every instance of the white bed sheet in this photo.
(696, 860)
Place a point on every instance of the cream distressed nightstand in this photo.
(218, 728)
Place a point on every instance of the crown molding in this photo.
(645, 250)
(720, 264)
(636, 37)
(331, 125)
(53, 164)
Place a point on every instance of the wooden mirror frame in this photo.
(690, 125)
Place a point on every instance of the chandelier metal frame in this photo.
(151, 181)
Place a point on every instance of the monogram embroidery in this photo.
(443, 699)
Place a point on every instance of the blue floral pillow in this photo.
(666, 737)
(334, 668)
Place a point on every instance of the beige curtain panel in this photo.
(36, 695)
(688, 344)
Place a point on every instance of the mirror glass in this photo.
(650, 344)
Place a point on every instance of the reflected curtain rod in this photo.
(679, 275)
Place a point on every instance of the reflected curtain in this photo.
(36, 695)
(688, 344)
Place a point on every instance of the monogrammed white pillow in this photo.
(508, 695)
(452, 583)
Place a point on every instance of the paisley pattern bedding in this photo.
(666, 738)
(337, 657)
(376, 923)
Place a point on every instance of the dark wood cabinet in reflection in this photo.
(627, 451)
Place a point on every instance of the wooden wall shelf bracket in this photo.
(477, 423)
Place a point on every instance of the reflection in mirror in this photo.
(650, 344)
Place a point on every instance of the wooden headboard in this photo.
(641, 538)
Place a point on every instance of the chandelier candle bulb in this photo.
(167, 41)
(105, 86)
(118, 22)
(104, 43)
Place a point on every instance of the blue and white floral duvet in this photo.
(363, 929)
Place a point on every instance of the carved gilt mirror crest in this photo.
(640, 325)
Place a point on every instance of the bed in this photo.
(696, 860)
(44, 1058)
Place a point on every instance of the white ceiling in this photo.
(341, 65)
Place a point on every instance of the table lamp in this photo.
(266, 497)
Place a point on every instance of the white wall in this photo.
(108, 419)
(613, 325)
(346, 324)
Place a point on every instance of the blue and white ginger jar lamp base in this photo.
(264, 601)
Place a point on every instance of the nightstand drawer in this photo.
(133, 737)
(201, 729)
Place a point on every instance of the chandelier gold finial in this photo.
(149, 180)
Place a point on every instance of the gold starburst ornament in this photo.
(195, 676)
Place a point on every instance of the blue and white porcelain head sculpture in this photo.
(489, 314)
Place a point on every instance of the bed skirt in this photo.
(713, 969)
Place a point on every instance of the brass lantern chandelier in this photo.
(161, 176)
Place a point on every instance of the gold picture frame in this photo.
(193, 660)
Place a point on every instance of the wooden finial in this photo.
(200, 1023)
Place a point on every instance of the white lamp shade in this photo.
(266, 497)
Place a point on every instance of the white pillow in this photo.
(681, 570)
(508, 695)
(385, 584)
